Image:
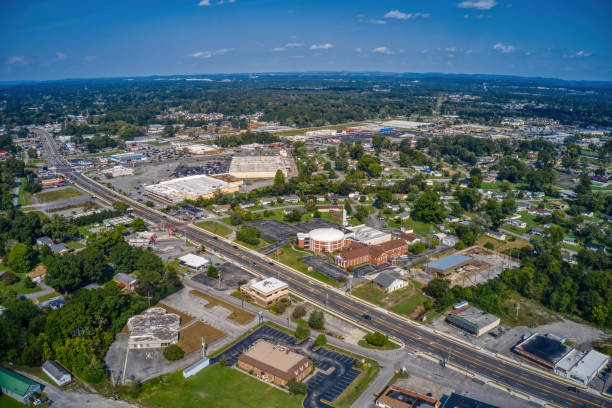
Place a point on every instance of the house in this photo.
(55, 248)
(594, 247)
(559, 205)
(247, 204)
(536, 231)
(444, 239)
(403, 215)
(57, 373)
(267, 201)
(293, 199)
(538, 194)
(126, 280)
(17, 386)
(570, 240)
(452, 219)
(517, 223)
(388, 283)
(410, 238)
(496, 235)
(38, 274)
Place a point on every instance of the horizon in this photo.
(66, 39)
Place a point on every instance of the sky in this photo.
(45, 40)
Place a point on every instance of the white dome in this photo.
(326, 235)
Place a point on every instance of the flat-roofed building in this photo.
(448, 264)
(367, 235)
(274, 363)
(256, 167)
(126, 280)
(265, 292)
(195, 262)
(322, 240)
(546, 350)
(154, 328)
(473, 320)
(396, 397)
(189, 188)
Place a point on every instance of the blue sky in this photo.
(75, 39)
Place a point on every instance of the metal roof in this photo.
(15, 382)
(448, 261)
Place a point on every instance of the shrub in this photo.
(173, 352)
(489, 245)
(317, 320)
(302, 331)
(296, 387)
(321, 340)
(9, 278)
(212, 272)
(459, 245)
(29, 283)
(376, 339)
(298, 312)
(248, 235)
(279, 307)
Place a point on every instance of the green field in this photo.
(403, 301)
(292, 257)
(215, 228)
(389, 345)
(214, 387)
(55, 195)
(8, 402)
(24, 198)
(420, 228)
(74, 245)
(18, 287)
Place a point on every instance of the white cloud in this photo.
(209, 54)
(15, 59)
(89, 58)
(400, 15)
(503, 48)
(279, 49)
(382, 50)
(379, 22)
(357, 49)
(295, 45)
(450, 49)
(204, 3)
(326, 46)
(582, 53)
(226, 1)
(477, 4)
(60, 56)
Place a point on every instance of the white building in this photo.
(256, 167)
(154, 328)
(389, 283)
(367, 235)
(581, 366)
(195, 262)
(189, 188)
(118, 171)
(57, 373)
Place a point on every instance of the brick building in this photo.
(357, 253)
(274, 363)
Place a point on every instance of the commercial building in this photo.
(404, 124)
(582, 367)
(265, 292)
(118, 171)
(154, 328)
(322, 240)
(357, 253)
(195, 262)
(448, 264)
(255, 167)
(473, 320)
(127, 157)
(367, 235)
(200, 149)
(396, 397)
(388, 283)
(17, 386)
(274, 363)
(57, 373)
(189, 188)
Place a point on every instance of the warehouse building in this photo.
(200, 149)
(321, 240)
(448, 264)
(17, 386)
(265, 292)
(274, 363)
(154, 328)
(189, 188)
(473, 320)
(367, 235)
(257, 167)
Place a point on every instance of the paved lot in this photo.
(115, 357)
(323, 266)
(334, 370)
(273, 230)
(231, 276)
(308, 226)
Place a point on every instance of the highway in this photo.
(484, 364)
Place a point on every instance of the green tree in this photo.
(20, 258)
(469, 198)
(9, 278)
(321, 340)
(302, 331)
(298, 312)
(317, 320)
(138, 224)
(376, 339)
(297, 388)
(248, 235)
(428, 207)
(212, 272)
(279, 179)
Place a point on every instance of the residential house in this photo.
(126, 280)
(38, 274)
(388, 283)
(57, 373)
(496, 235)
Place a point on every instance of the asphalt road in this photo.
(484, 364)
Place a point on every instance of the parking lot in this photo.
(334, 371)
(307, 226)
(323, 266)
(231, 276)
(273, 230)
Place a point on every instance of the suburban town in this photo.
(308, 239)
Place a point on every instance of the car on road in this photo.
(367, 317)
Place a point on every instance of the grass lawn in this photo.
(23, 198)
(74, 245)
(397, 174)
(48, 296)
(59, 194)
(420, 228)
(529, 312)
(8, 402)
(18, 287)
(293, 257)
(389, 345)
(407, 301)
(262, 243)
(214, 387)
(215, 228)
